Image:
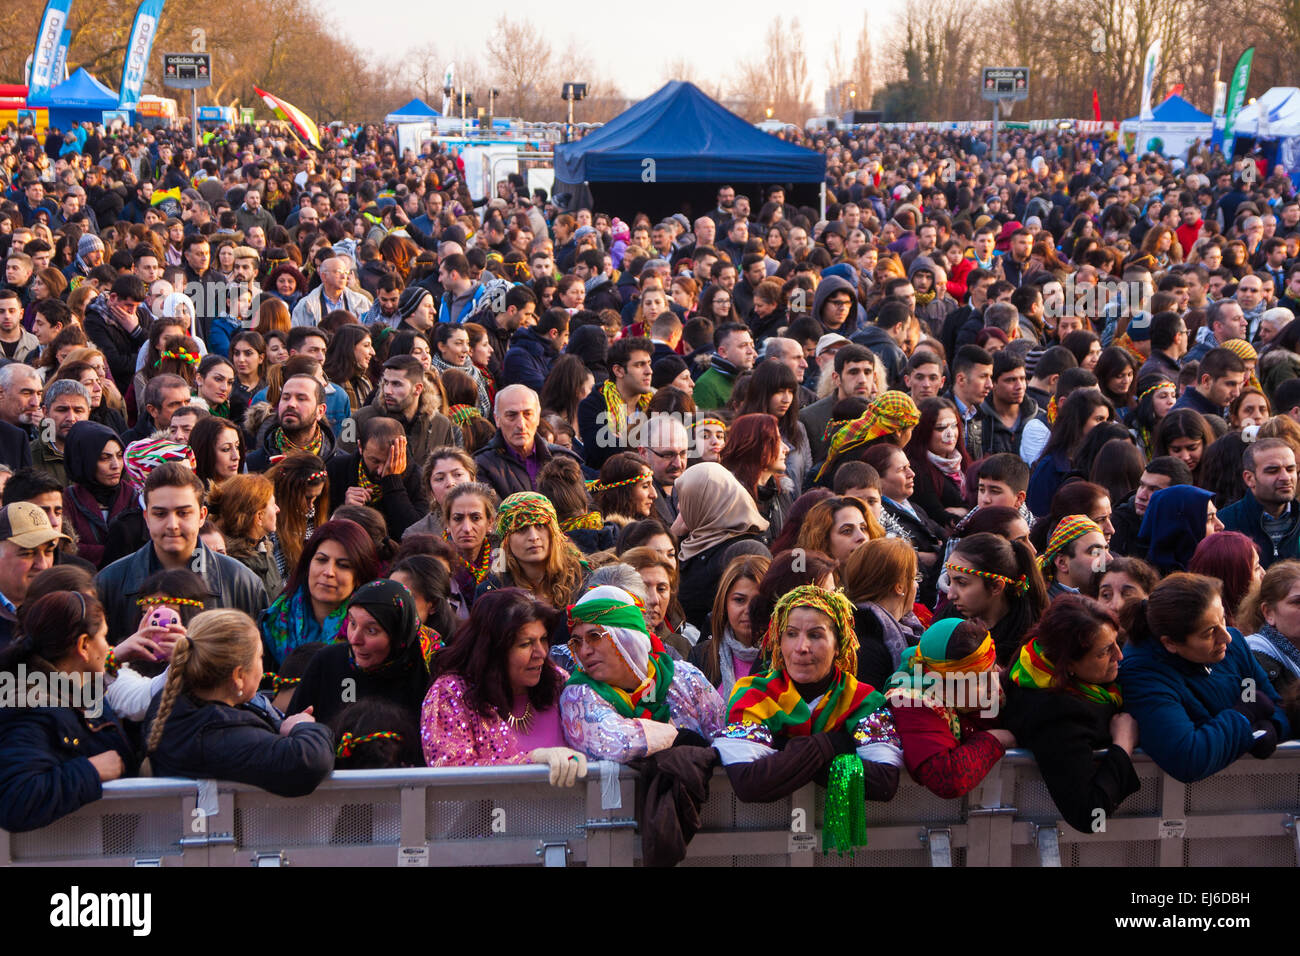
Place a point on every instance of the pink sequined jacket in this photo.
(455, 735)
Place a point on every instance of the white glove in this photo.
(567, 766)
(657, 736)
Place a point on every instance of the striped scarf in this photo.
(1033, 669)
(285, 446)
(366, 483)
(771, 699)
(591, 521)
(616, 408)
(650, 700)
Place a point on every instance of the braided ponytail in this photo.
(171, 690)
(217, 642)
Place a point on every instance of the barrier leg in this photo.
(939, 843)
(1173, 820)
(1048, 840)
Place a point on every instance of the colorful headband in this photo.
(981, 659)
(316, 476)
(183, 602)
(350, 741)
(524, 509)
(1021, 584)
(180, 354)
(709, 422)
(460, 414)
(1157, 387)
(609, 612)
(597, 486)
(279, 683)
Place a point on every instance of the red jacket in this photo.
(936, 759)
(1187, 236)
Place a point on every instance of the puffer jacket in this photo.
(204, 739)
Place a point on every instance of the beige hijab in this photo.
(715, 507)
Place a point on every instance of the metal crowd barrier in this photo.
(511, 816)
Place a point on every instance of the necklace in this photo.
(522, 724)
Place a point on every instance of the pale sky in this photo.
(628, 43)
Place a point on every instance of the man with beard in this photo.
(299, 425)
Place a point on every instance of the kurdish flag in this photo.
(295, 117)
(162, 195)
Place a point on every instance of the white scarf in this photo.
(948, 466)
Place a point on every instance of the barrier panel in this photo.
(511, 816)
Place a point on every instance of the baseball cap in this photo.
(829, 341)
(27, 526)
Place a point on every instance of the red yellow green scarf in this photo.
(616, 408)
(366, 483)
(771, 699)
(639, 703)
(1032, 669)
(591, 521)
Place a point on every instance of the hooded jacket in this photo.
(529, 360)
(84, 499)
(1173, 525)
(834, 283)
(997, 436)
(883, 344)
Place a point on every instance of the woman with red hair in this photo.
(937, 453)
(1233, 558)
(756, 455)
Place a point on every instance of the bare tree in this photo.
(520, 57)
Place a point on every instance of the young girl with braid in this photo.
(207, 724)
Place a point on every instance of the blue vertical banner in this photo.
(48, 39)
(61, 58)
(138, 47)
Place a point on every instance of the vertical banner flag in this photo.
(143, 30)
(1236, 96)
(1149, 70)
(61, 58)
(1096, 106)
(48, 39)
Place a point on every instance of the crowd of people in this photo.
(310, 461)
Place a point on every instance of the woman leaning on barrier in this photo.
(59, 739)
(210, 722)
(808, 718)
(1063, 705)
(495, 694)
(946, 699)
(1200, 697)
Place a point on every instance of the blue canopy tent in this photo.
(1176, 123)
(670, 153)
(78, 99)
(416, 111)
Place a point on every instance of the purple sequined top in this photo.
(593, 727)
(455, 735)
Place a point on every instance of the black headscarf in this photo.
(81, 451)
(393, 609)
(590, 344)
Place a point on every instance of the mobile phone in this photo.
(163, 617)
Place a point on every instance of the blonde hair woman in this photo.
(205, 725)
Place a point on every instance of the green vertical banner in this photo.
(1236, 96)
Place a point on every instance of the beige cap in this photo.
(27, 525)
